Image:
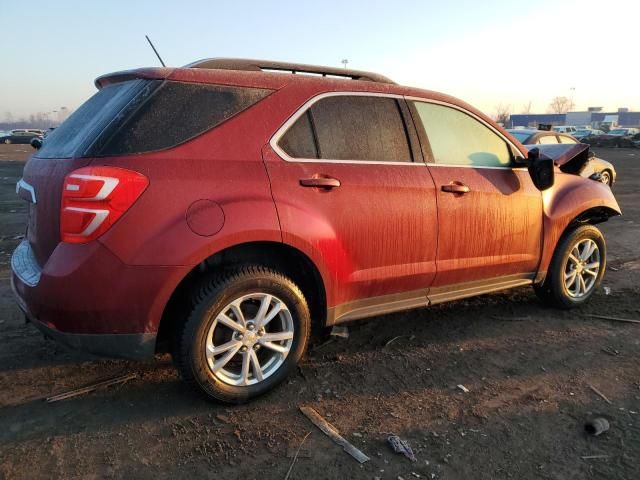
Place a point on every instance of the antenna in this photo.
(154, 50)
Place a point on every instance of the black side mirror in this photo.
(540, 170)
(36, 142)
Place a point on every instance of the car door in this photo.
(353, 193)
(489, 213)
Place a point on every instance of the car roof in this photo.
(311, 79)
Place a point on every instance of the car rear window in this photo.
(143, 116)
(74, 136)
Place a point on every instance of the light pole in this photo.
(573, 91)
(344, 62)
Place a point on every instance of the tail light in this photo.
(94, 198)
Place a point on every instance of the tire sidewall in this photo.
(558, 286)
(204, 315)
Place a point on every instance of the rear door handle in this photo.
(456, 187)
(320, 182)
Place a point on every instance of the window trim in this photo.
(509, 143)
(307, 105)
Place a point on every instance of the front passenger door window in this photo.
(459, 139)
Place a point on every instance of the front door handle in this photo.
(456, 187)
(320, 182)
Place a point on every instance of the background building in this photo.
(593, 117)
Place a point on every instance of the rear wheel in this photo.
(248, 329)
(576, 269)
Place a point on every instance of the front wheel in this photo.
(7, 141)
(576, 269)
(605, 177)
(248, 329)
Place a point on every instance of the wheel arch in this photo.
(592, 215)
(285, 258)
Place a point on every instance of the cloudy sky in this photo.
(487, 52)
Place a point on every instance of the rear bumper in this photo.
(86, 298)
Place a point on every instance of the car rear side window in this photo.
(360, 128)
(564, 139)
(350, 127)
(298, 141)
(177, 112)
(457, 138)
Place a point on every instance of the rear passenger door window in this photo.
(350, 128)
(457, 138)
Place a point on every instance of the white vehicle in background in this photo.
(564, 129)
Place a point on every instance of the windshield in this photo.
(520, 136)
(618, 131)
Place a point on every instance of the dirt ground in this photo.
(527, 369)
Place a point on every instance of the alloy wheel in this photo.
(582, 268)
(249, 339)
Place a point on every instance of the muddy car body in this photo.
(282, 202)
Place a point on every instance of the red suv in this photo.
(223, 210)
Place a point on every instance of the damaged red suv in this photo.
(224, 210)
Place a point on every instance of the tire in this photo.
(7, 141)
(606, 177)
(560, 292)
(237, 380)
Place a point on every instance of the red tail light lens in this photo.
(94, 198)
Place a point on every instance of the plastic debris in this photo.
(597, 426)
(463, 388)
(401, 446)
(607, 290)
(340, 331)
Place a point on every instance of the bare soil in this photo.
(527, 369)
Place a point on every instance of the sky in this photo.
(485, 52)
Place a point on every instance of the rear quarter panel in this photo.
(224, 166)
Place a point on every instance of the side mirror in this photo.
(540, 170)
(36, 142)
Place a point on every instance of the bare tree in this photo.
(526, 108)
(560, 105)
(503, 113)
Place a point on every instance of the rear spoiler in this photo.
(124, 75)
(570, 158)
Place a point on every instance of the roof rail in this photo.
(272, 66)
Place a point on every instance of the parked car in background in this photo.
(36, 142)
(19, 136)
(595, 168)
(284, 203)
(618, 137)
(564, 128)
(583, 133)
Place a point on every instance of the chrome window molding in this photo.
(273, 142)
